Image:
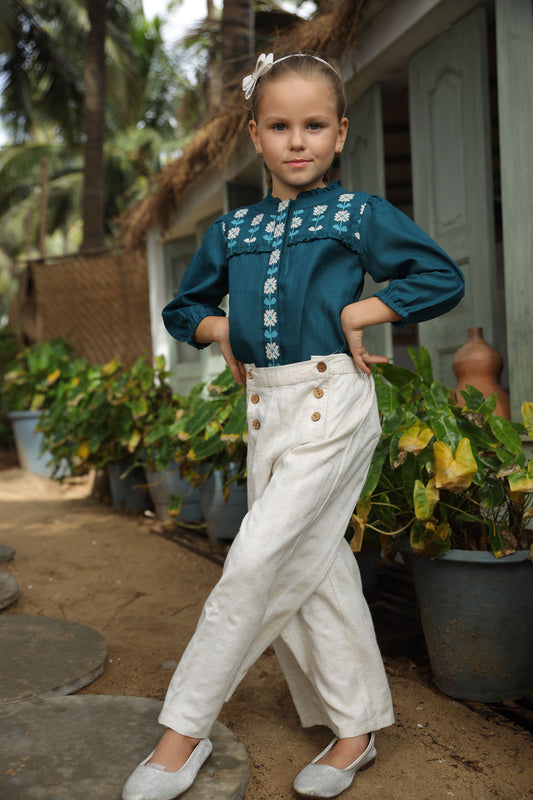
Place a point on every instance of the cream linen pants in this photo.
(290, 579)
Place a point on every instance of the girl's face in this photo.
(298, 132)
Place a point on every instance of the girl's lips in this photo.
(298, 162)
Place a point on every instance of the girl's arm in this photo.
(355, 318)
(216, 329)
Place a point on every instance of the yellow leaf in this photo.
(52, 378)
(110, 367)
(454, 473)
(134, 440)
(425, 499)
(442, 531)
(521, 482)
(527, 417)
(83, 451)
(358, 530)
(415, 439)
(363, 508)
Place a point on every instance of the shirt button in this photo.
(321, 366)
(256, 424)
(254, 398)
(249, 374)
(318, 392)
(315, 416)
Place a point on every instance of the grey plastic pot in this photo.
(477, 616)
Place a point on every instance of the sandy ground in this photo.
(79, 559)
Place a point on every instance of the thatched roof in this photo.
(331, 32)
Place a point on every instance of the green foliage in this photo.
(453, 476)
(106, 413)
(35, 375)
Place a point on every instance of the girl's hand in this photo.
(216, 329)
(355, 318)
(362, 358)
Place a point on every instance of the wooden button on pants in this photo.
(290, 578)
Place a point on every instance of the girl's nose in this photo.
(296, 140)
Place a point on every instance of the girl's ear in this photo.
(254, 135)
(341, 137)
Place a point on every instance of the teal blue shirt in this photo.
(291, 266)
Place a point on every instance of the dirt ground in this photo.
(79, 559)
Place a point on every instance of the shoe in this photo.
(151, 783)
(321, 781)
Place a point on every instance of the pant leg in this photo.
(306, 479)
(330, 657)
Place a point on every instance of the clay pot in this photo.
(479, 364)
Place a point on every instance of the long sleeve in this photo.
(202, 288)
(424, 281)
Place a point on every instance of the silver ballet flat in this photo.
(151, 783)
(321, 781)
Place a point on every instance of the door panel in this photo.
(452, 177)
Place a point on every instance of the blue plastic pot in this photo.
(223, 520)
(128, 492)
(477, 616)
(162, 485)
(29, 443)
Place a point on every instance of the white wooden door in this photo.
(363, 169)
(452, 177)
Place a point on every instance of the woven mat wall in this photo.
(100, 305)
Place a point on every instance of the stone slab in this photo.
(6, 552)
(47, 657)
(76, 748)
(9, 589)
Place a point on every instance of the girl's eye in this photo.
(279, 126)
(315, 126)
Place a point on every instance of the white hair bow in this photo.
(264, 63)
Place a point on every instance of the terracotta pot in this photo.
(479, 364)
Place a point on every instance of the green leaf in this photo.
(374, 474)
(422, 362)
(441, 419)
(506, 433)
(492, 495)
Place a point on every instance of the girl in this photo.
(294, 267)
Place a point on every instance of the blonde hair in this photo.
(309, 65)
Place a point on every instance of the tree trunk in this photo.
(93, 184)
(238, 41)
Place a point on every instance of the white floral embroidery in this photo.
(233, 233)
(242, 212)
(249, 241)
(270, 227)
(315, 228)
(283, 205)
(279, 230)
(362, 208)
(224, 227)
(257, 219)
(270, 286)
(270, 317)
(274, 257)
(318, 210)
(345, 198)
(357, 235)
(272, 350)
(342, 216)
(296, 222)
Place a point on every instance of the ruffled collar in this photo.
(309, 194)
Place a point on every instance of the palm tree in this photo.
(94, 126)
(141, 100)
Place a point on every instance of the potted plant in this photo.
(457, 481)
(96, 422)
(215, 433)
(28, 390)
